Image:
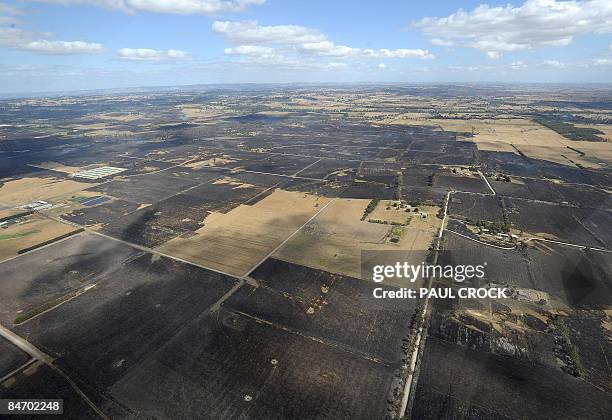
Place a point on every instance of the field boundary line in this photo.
(161, 254)
(487, 181)
(136, 246)
(78, 293)
(287, 239)
(307, 166)
(283, 175)
(45, 246)
(37, 354)
(217, 305)
(325, 342)
(17, 370)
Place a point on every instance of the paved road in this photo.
(414, 357)
(37, 354)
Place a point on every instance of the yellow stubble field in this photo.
(334, 240)
(237, 241)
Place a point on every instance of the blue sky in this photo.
(56, 45)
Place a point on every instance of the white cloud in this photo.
(599, 62)
(249, 50)
(328, 48)
(147, 54)
(8, 14)
(518, 65)
(250, 32)
(382, 66)
(9, 9)
(63, 47)
(469, 68)
(400, 53)
(182, 7)
(536, 23)
(442, 42)
(554, 63)
(610, 46)
(12, 36)
(493, 54)
(336, 65)
(589, 63)
(284, 40)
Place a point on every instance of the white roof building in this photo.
(97, 173)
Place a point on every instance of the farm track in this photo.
(37, 354)
(421, 333)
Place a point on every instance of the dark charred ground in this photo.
(11, 357)
(40, 381)
(484, 359)
(577, 278)
(157, 199)
(263, 354)
(476, 207)
(458, 382)
(128, 316)
(39, 277)
(153, 328)
(149, 340)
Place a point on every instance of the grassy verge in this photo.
(21, 318)
(17, 235)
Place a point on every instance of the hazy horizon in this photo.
(272, 85)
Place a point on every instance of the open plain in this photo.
(220, 272)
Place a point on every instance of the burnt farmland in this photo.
(151, 336)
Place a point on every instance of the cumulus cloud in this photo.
(25, 41)
(382, 66)
(250, 32)
(518, 65)
(182, 7)
(337, 65)
(328, 48)
(599, 62)
(400, 53)
(249, 50)
(554, 63)
(147, 54)
(588, 63)
(12, 36)
(8, 14)
(255, 40)
(535, 23)
(470, 68)
(493, 54)
(63, 47)
(442, 42)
